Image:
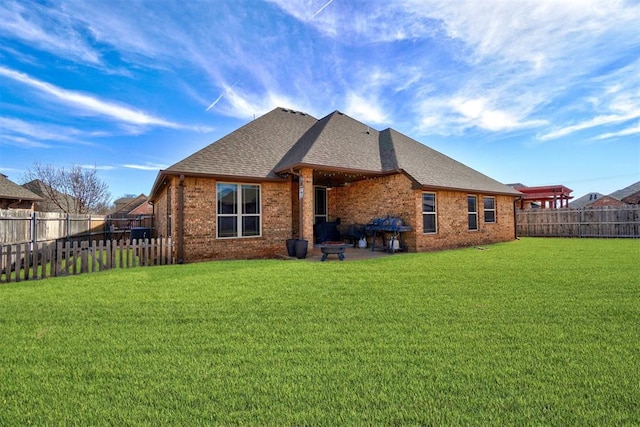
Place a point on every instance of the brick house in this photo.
(14, 196)
(272, 179)
(629, 195)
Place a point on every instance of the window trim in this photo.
(434, 213)
(474, 213)
(239, 214)
(485, 210)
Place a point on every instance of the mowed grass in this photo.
(536, 331)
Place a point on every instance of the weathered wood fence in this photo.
(589, 222)
(23, 225)
(26, 261)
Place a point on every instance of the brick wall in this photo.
(452, 222)
(160, 212)
(394, 195)
(358, 202)
(607, 201)
(362, 201)
(200, 242)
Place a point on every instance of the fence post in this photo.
(34, 228)
(580, 220)
(68, 233)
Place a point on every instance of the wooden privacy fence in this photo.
(26, 261)
(23, 225)
(589, 222)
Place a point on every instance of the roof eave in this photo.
(471, 190)
(159, 182)
(287, 169)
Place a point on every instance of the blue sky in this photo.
(537, 92)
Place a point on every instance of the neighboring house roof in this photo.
(143, 209)
(46, 204)
(282, 140)
(607, 201)
(127, 205)
(626, 192)
(585, 200)
(11, 190)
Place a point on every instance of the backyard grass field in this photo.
(530, 332)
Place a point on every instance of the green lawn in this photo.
(536, 331)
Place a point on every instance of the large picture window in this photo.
(489, 209)
(429, 222)
(472, 207)
(238, 210)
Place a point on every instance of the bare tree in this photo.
(74, 190)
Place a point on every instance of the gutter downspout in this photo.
(180, 225)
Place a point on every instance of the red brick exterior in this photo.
(359, 202)
(606, 201)
(452, 222)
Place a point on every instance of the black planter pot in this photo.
(291, 247)
(301, 248)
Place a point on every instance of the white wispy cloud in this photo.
(366, 109)
(588, 124)
(99, 168)
(517, 56)
(88, 103)
(47, 29)
(634, 130)
(491, 66)
(22, 142)
(444, 115)
(34, 133)
(145, 167)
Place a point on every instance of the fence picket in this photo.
(44, 260)
(35, 259)
(22, 261)
(18, 261)
(84, 257)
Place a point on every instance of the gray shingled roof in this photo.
(431, 168)
(585, 200)
(252, 150)
(626, 192)
(336, 141)
(11, 190)
(283, 139)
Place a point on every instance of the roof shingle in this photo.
(11, 190)
(283, 139)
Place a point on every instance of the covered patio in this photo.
(348, 197)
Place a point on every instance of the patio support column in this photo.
(306, 207)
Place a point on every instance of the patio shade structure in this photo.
(548, 196)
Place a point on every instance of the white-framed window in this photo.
(238, 213)
(429, 216)
(472, 208)
(489, 204)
